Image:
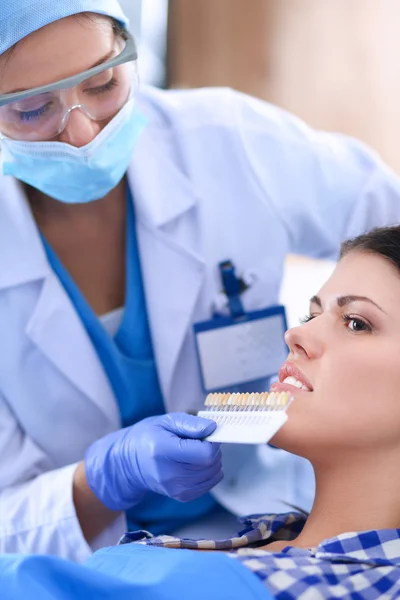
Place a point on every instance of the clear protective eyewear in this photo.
(42, 113)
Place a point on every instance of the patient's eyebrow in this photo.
(345, 300)
(316, 300)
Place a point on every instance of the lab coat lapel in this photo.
(173, 272)
(19, 239)
(53, 325)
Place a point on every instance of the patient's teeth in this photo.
(290, 380)
(296, 383)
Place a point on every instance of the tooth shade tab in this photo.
(247, 401)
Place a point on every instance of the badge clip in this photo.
(233, 287)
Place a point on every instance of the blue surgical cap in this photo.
(19, 18)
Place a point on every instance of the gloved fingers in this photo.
(188, 480)
(196, 452)
(196, 468)
(201, 489)
(199, 476)
(189, 426)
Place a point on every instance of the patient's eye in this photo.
(356, 324)
(307, 318)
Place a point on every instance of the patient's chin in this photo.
(292, 439)
(282, 437)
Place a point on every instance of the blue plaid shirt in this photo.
(353, 566)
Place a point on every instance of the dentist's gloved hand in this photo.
(160, 454)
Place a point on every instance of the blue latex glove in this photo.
(160, 454)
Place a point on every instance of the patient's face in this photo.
(350, 354)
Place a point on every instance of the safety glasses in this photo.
(42, 113)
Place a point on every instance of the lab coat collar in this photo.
(151, 176)
(173, 268)
(51, 327)
(173, 278)
(19, 235)
(23, 261)
(161, 191)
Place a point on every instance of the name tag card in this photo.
(242, 348)
(235, 351)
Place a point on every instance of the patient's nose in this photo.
(303, 342)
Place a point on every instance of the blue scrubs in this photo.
(129, 363)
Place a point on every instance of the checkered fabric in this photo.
(351, 566)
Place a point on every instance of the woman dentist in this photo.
(117, 206)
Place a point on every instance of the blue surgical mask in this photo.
(77, 175)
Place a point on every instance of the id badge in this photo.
(245, 349)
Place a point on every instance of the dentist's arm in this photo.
(322, 187)
(92, 515)
(163, 454)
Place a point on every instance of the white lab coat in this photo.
(216, 175)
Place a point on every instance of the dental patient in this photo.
(343, 370)
(346, 420)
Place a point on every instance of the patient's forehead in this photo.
(367, 274)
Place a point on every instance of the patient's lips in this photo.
(291, 378)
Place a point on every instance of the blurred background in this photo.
(334, 63)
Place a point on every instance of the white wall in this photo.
(303, 279)
(149, 25)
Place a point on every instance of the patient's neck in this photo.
(354, 492)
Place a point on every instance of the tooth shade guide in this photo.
(246, 418)
(247, 401)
